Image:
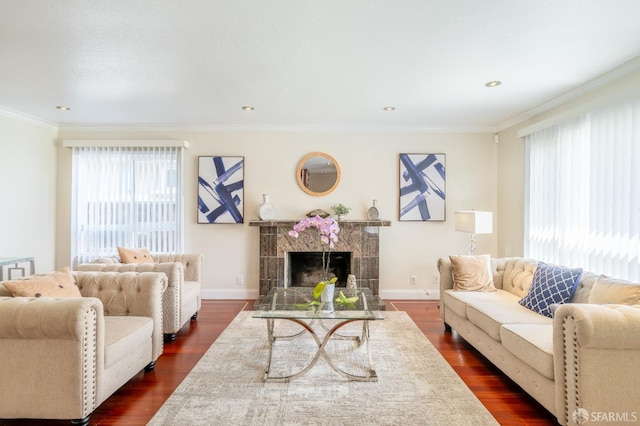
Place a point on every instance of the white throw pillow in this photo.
(472, 273)
(611, 290)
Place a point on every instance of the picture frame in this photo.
(220, 189)
(422, 187)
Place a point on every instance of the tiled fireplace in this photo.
(357, 252)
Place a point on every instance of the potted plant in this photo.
(340, 210)
(328, 230)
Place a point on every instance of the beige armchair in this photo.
(182, 300)
(63, 357)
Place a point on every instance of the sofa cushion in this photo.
(55, 284)
(517, 275)
(550, 284)
(472, 273)
(457, 300)
(139, 255)
(123, 333)
(615, 291)
(491, 315)
(532, 343)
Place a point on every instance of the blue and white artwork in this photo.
(422, 190)
(220, 189)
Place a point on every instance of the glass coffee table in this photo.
(321, 322)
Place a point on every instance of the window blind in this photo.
(583, 192)
(126, 196)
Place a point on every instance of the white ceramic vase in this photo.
(266, 211)
(326, 297)
(373, 213)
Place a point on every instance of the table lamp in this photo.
(474, 222)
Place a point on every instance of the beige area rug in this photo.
(415, 386)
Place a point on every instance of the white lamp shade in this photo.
(474, 222)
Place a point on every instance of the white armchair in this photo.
(182, 300)
(63, 357)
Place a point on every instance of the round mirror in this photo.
(318, 174)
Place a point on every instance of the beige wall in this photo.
(511, 159)
(28, 191)
(369, 163)
(34, 219)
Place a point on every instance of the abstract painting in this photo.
(422, 187)
(220, 189)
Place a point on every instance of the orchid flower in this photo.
(328, 229)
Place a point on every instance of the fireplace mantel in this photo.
(342, 223)
(360, 237)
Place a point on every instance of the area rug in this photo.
(415, 386)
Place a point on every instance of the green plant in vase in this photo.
(340, 209)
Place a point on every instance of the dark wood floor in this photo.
(137, 401)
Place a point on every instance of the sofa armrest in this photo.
(192, 264)
(596, 353)
(446, 280)
(128, 293)
(446, 274)
(53, 349)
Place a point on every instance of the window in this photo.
(128, 197)
(583, 192)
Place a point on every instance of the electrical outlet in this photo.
(436, 280)
(239, 280)
(414, 280)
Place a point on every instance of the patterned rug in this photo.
(415, 384)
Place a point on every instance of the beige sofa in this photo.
(62, 357)
(583, 361)
(182, 300)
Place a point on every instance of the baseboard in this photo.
(410, 294)
(208, 293)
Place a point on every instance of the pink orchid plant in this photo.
(328, 229)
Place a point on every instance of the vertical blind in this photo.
(128, 197)
(583, 192)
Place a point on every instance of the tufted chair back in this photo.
(127, 294)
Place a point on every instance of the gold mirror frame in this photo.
(303, 175)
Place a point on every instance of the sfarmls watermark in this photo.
(582, 416)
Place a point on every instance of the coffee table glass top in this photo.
(297, 302)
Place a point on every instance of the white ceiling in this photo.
(306, 64)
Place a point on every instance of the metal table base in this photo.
(370, 375)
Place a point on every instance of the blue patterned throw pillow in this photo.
(550, 284)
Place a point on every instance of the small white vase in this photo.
(351, 282)
(326, 297)
(266, 210)
(373, 213)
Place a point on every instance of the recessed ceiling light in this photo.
(494, 83)
(389, 108)
(248, 108)
(63, 108)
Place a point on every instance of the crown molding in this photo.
(273, 128)
(623, 70)
(6, 112)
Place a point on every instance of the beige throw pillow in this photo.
(55, 284)
(472, 273)
(611, 290)
(140, 255)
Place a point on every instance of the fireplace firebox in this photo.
(304, 268)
